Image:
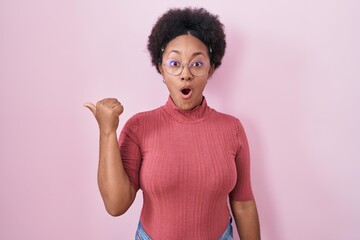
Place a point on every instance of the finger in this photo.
(116, 104)
(118, 109)
(90, 106)
(109, 101)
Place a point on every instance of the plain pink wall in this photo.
(291, 74)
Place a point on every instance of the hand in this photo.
(106, 112)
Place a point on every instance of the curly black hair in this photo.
(197, 22)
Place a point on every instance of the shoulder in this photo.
(146, 115)
(224, 117)
(140, 118)
(228, 121)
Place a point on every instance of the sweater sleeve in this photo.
(130, 152)
(242, 190)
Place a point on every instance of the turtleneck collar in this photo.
(187, 116)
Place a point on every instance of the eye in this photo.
(173, 63)
(197, 64)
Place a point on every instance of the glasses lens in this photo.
(173, 67)
(196, 68)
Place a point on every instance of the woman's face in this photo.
(186, 90)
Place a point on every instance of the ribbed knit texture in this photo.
(187, 163)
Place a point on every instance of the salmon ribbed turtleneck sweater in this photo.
(187, 163)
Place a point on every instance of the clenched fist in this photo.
(106, 112)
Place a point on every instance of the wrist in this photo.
(107, 133)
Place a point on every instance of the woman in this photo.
(186, 157)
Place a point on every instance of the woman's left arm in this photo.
(246, 219)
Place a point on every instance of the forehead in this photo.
(186, 45)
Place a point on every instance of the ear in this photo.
(161, 69)
(211, 71)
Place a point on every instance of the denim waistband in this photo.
(142, 235)
(228, 234)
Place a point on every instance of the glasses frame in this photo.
(183, 66)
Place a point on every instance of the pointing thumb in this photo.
(90, 106)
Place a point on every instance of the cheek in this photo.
(204, 82)
(170, 83)
(201, 86)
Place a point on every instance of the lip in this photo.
(187, 96)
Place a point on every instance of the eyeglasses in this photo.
(196, 68)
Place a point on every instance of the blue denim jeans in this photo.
(142, 235)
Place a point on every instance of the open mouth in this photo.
(186, 91)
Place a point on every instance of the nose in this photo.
(186, 74)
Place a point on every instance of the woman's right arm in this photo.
(114, 185)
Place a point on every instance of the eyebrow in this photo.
(194, 54)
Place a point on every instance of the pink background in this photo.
(291, 74)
